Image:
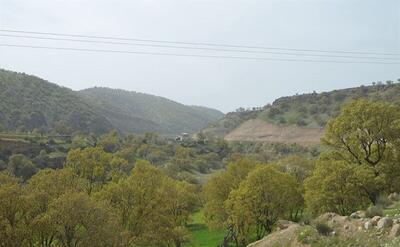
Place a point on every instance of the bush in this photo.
(374, 211)
(307, 235)
(383, 201)
(306, 219)
(323, 228)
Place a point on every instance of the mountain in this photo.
(296, 119)
(28, 102)
(123, 108)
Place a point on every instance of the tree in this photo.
(95, 165)
(179, 202)
(110, 142)
(42, 189)
(364, 132)
(265, 196)
(152, 207)
(13, 208)
(19, 165)
(337, 186)
(217, 191)
(80, 221)
(367, 133)
(297, 166)
(182, 158)
(62, 128)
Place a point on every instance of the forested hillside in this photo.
(148, 112)
(28, 103)
(305, 111)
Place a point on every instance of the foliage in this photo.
(323, 228)
(312, 110)
(265, 196)
(218, 188)
(307, 235)
(138, 113)
(12, 209)
(29, 103)
(362, 163)
(297, 166)
(336, 186)
(374, 211)
(364, 132)
(153, 208)
(96, 166)
(21, 166)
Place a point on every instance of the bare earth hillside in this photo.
(259, 130)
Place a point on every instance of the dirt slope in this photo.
(259, 130)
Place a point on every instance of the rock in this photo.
(368, 225)
(385, 222)
(328, 216)
(357, 215)
(393, 196)
(283, 224)
(395, 231)
(375, 220)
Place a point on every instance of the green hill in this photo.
(28, 102)
(311, 110)
(135, 112)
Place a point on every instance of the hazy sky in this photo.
(225, 84)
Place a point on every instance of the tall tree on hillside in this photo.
(367, 134)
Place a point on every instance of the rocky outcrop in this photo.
(383, 223)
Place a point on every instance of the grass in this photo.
(202, 236)
(392, 210)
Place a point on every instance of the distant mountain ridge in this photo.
(28, 102)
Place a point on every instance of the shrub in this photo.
(383, 201)
(307, 235)
(374, 211)
(323, 228)
(306, 219)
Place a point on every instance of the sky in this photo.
(224, 84)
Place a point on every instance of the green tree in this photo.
(367, 133)
(337, 186)
(13, 208)
(152, 207)
(19, 165)
(95, 165)
(110, 142)
(297, 166)
(364, 132)
(42, 189)
(265, 196)
(217, 191)
(80, 221)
